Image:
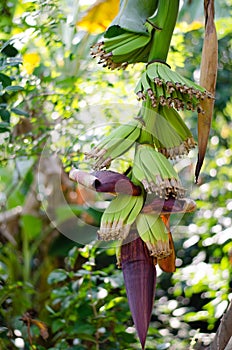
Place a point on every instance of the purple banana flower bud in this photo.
(139, 274)
(105, 181)
(170, 206)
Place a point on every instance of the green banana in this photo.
(119, 216)
(154, 233)
(137, 42)
(145, 82)
(112, 43)
(117, 143)
(156, 173)
(145, 137)
(168, 88)
(170, 134)
(122, 146)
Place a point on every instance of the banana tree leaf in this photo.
(131, 17)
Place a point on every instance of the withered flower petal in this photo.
(140, 279)
(105, 181)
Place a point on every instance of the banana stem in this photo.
(164, 22)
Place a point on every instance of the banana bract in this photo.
(119, 216)
(168, 88)
(156, 173)
(139, 274)
(105, 181)
(114, 145)
(169, 206)
(167, 264)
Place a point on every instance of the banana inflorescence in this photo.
(142, 32)
(168, 88)
(119, 216)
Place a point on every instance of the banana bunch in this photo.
(114, 145)
(170, 134)
(127, 39)
(156, 173)
(168, 88)
(153, 232)
(119, 216)
(121, 50)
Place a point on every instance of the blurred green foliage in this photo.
(51, 95)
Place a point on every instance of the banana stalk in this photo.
(208, 78)
(164, 22)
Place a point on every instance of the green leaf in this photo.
(6, 81)
(19, 112)
(31, 225)
(4, 127)
(5, 115)
(57, 325)
(9, 50)
(57, 276)
(114, 302)
(14, 88)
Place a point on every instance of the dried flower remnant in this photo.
(208, 77)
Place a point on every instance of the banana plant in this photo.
(142, 33)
